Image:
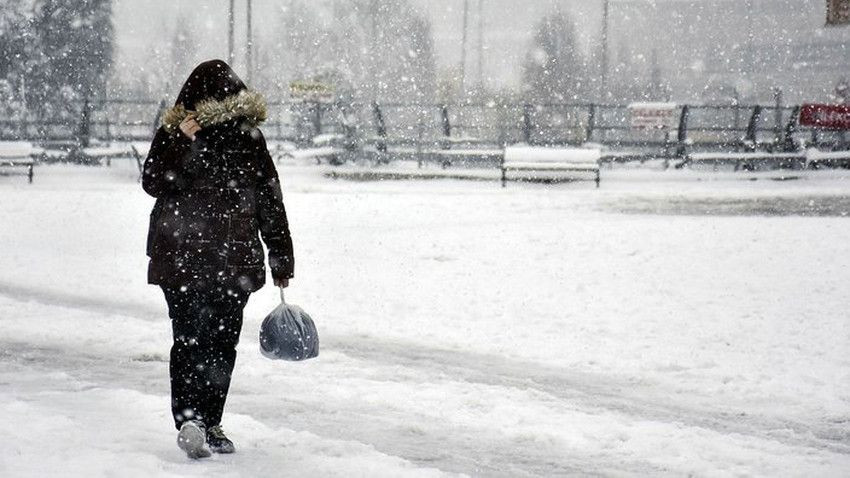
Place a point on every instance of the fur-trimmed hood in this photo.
(246, 104)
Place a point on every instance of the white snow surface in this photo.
(18, 149)
(466, 329)
(540, 154)
(814, 154)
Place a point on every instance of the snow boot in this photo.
(192, 439)
(218, 441)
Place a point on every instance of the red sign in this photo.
(825, 116)
(653, 115)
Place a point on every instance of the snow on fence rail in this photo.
(816, 158)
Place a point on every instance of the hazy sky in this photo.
(145, 25)
(684, 33)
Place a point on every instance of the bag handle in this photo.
(282, 301)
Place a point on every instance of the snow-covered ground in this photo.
(670, 323)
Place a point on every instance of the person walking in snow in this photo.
(216, 191)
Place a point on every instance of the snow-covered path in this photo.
(465, 330)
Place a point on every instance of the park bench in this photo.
(750, 160)
(140, 153)
(19, 154)
(532, 159)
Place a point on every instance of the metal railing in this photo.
(385, 127)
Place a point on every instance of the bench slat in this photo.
(551, 167)
(16, 161)
(544, 160)
(536, 154)
(18, 149)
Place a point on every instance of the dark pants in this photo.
(206, 326)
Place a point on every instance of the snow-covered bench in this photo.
(541, 159)
(19, 154)
(746, 161)
(104, 154)
(140, 153)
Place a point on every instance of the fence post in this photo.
(591, 123)
(447, 125)
(318, 120)
(790, 128)
(280, 124)
(380, 127)
(682, 137)
(777, 116)
(84, 133)
(526, 123)
(752, 129)
(737, 112)
(158, 118)
(108, 126)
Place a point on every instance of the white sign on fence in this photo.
(653, 115)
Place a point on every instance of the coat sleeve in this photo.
(164, 171)
(274, 226)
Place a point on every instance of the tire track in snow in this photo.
(73, 396)
(586, 391)
(70, 300)
(435, 445)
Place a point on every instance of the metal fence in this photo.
(391, 126)
(700, 127)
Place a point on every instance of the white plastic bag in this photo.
(288, 333)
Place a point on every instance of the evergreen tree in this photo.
(16, 46)
(71, 55)
(401, 55)
(554, 68)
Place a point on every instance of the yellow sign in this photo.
(312, 91)
(837, 12)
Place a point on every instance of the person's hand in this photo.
(190, 127)
(282, 283)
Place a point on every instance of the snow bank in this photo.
(82, 429)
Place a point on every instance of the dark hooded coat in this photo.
(216, 195)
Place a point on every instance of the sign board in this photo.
(653, 115)
(312, 91)
(825, 116)
(837, 12)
